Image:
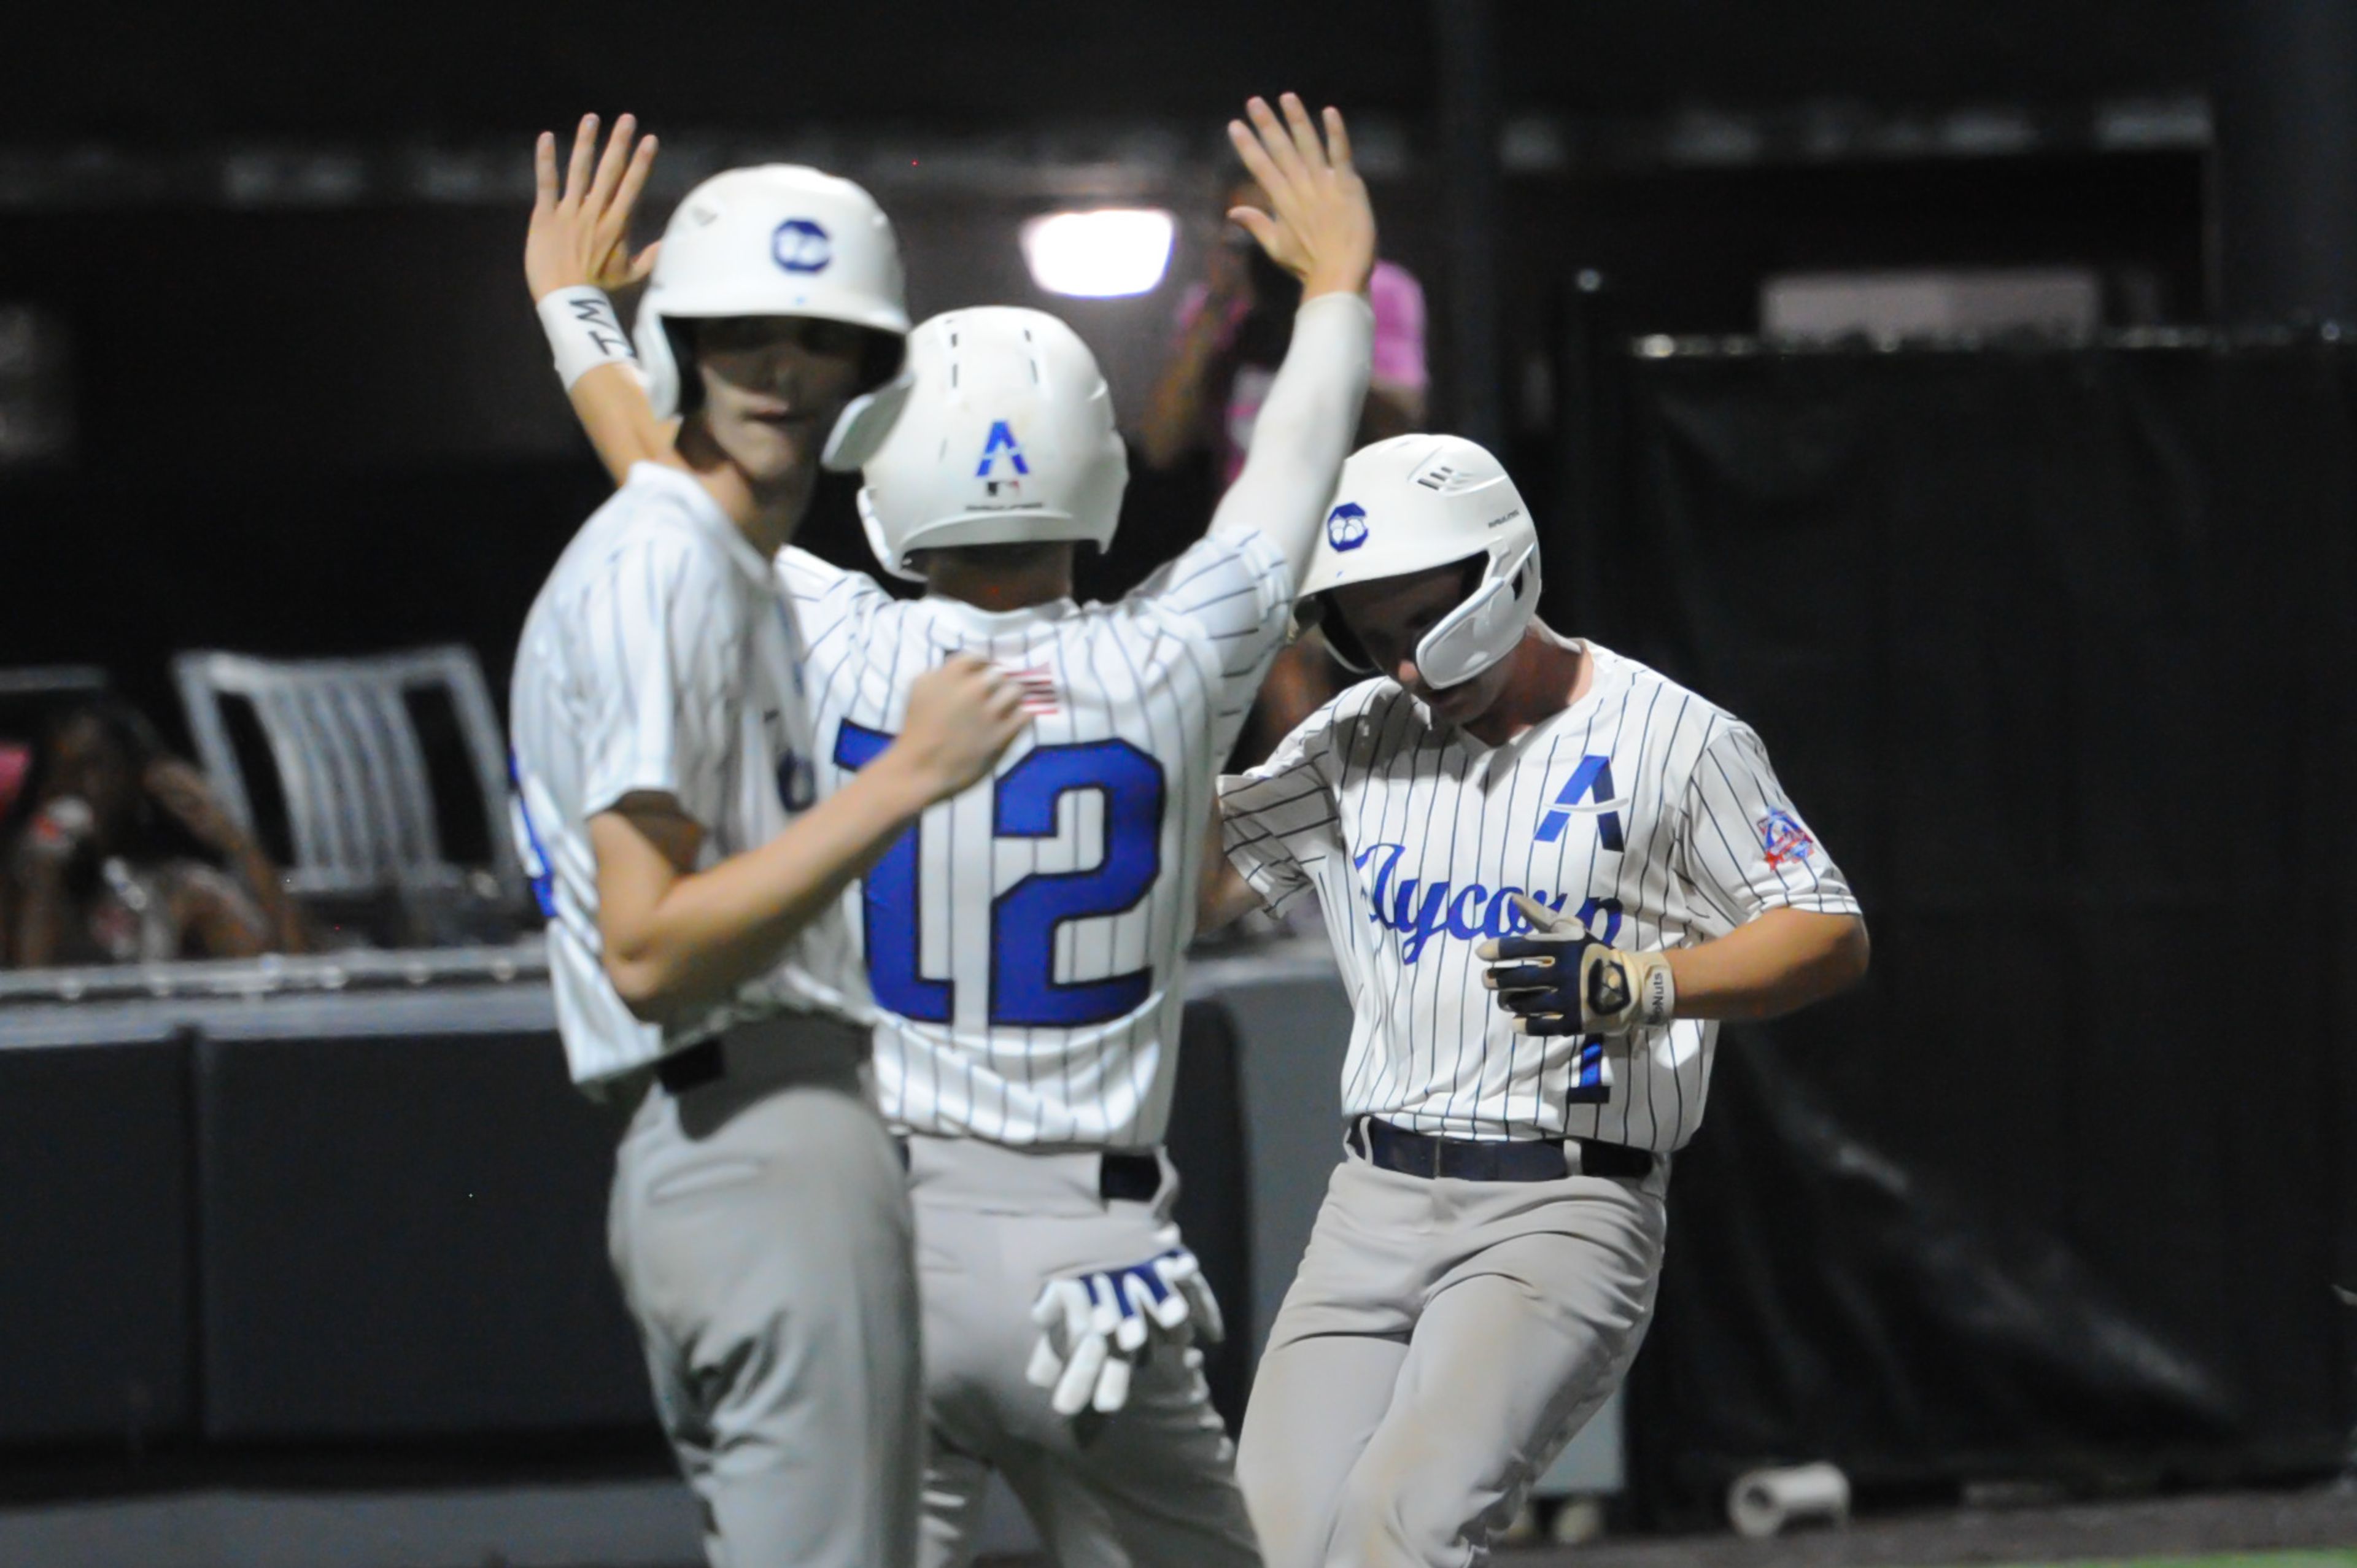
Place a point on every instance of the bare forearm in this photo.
(287, 930)
(1781, 962)
(1174, 413)
(1222, 896)
(711, 931)
(611, 403)
(40, 918)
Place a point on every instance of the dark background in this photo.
(2051, 640)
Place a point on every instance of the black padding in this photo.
(403, 1236)
(1206, 1142)
(96, 1331)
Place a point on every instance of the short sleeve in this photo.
(1236, 590)
(1747, 850)
(1398, 301)
(829, 601)
(1280, 821)
(653, 692)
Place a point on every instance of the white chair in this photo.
(360, 801)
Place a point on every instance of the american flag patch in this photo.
(1038, 685)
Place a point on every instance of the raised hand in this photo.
(580, 231)
(1322, 230)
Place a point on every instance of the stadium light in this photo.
(1103, 254)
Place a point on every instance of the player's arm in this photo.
(674, 936)
(576, 252)
(1777, 964)
(1561, 979)
(1222, 896)
(1322, 230)
(1796, 935)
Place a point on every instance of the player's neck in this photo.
(1546, 674)
(765, 512)
(1001, 577)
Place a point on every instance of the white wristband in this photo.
(1657, 995)
(584, 332)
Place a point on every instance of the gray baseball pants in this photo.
(760, 1226)
(1153, 1484)
(1441, 1343)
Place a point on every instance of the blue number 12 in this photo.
(1023, 990)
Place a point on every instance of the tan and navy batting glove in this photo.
(1560, 980)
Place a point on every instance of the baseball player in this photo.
(1502, 807)
(666, 810)
(1024, 945)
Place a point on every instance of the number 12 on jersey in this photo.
(1023, 990)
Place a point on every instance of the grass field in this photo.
(2347, 1559)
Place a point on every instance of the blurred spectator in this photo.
(1233, 326)
(122, 854)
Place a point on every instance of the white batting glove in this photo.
(1560, 980)
(1094, 1327)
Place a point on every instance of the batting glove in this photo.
(1094, 1327)
(1560, 980)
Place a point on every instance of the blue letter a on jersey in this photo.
(1592, 780)
(1001, 440)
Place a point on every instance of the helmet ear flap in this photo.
(658, 359)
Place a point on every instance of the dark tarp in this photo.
(2057, 651)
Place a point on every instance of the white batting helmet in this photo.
(1007, 438)
(1414, 502)
(779, 239)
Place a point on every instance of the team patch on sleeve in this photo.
(1786, 842)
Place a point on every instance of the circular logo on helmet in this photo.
(800, 245)
(1346, 526)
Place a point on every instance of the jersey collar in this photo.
(980, 622)
(705, 513)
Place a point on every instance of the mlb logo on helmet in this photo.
(1346, 526)
(800, 245)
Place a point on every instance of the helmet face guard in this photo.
(1466, 641)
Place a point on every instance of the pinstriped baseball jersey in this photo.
(1023, 943)
(1645, 810)
(661, 658)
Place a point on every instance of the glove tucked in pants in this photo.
(760, 1227)
(1441, 1343)
(1153, 1483)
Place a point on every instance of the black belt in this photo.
(1130, 1176)
(691, 1066)
(1420, 1154)
(1133, 1178)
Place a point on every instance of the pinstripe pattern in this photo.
(1171, 669)
(1411, 834)
(660, 657)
